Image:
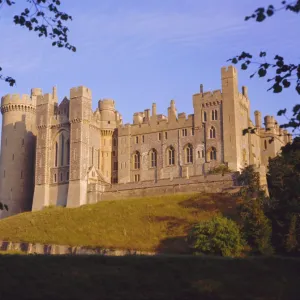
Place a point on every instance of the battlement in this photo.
(80, 91)
(228, 72)
(17, 99)
(212, 95)
(106, 104)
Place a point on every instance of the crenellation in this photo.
(82, 154)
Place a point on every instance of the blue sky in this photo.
(143, 51)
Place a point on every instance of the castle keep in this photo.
(66, 154)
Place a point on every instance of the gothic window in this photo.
(143, 139)
(56, 152)
(136, 177)
(198, 154)
(212, 132)
(136, 160)
(54, 177)
(166, 135)
(184, 132)
(68, 152)
(171, 156)
(153, 158)
(204, 116)
(136, 139)
(62, 150)
(213, 154)
(61, 177)
(189, 153)
(216, 115)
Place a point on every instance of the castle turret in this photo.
(45, 110)
(80, 118)
(108, 117)
(17, 153)
(257, 118)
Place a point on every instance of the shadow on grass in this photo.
(136, 277)
(225, 204)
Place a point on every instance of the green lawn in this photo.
(160, 277)
(149, 224)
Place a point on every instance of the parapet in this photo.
(228, 72)
(106, 104)
(36, 92)
(80, 91)
(210, 96)
(17, 99)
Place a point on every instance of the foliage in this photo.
(256, 227)
(157, 223)
(284, 188)
(46, 19)
(284, 74)
(220, 236)
(221, 169)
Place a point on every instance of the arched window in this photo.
(212, 132)
(56, 153)
(213, 153)
(171, 156)
(204, 116)
(68, 152)
(153, 158)
(214, 115)
(136, 160)
(198, 154)
(189, 153)
(62, 150)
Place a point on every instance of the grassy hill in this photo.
(149, 224)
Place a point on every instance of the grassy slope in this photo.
(157, 223)
(181, 277)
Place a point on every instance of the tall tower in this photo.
(17, 153)
(45, 106)
(80, 118)
(230, 109)
(108, 125)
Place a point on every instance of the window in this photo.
(136, 139)
(54, 177)
(61, 177)
(136, 160)
(166, 135)
(62, 150)
(67, 175)
(214, 115)
(108, 122)
(171, 156)
(115, 165)
(56, 152)
(159, 136)
(204, 116)
(213, 153)
(184, 132)
(198, 154)
(92, 155)
(189, 153)
(193, 131)
(212, 132)
(136, 177)
(68, 152)
(143, 139)
(153, 158)
(266, 145)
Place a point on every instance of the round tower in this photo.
(17, 153)
(108, 126)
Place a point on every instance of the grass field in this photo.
(149, 224)
(160, 277)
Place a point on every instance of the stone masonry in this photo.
(57, 153)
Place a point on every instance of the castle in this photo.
(56, 154)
